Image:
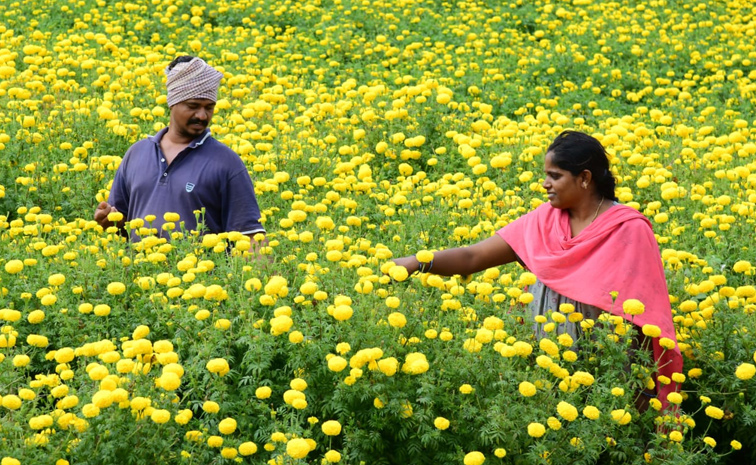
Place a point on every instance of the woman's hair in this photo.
(576, 151)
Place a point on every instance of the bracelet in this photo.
(424, 267)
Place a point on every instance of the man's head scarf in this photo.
(192, 79)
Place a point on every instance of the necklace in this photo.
(597, 210)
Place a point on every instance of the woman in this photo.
(583, 247)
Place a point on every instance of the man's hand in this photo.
(101, 215)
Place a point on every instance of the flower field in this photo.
(372, 130)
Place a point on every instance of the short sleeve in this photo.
(240, 209)
(119, 191)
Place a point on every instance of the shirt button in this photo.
(165, 174)
(162, 159)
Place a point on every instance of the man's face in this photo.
(191, 117)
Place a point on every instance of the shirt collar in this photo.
(199, 140)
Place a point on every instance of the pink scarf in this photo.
(617, 252)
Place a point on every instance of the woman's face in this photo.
(564, 189)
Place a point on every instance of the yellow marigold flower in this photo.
(745, 371)
(633, 307)
(567, 411)
(90, 410)
(59, 391)
(397, 320)
(549, 346)
(160, 416)
(183, 417)
(116, 288)
(263, 392)
(102, 310)
(171, 217)
(424, 256)
(140, 332)
(332, 456)
(280, 324)
(388, 366)
(337, 363)
(14, 266)
(228, 453)
(297, 448)
(11, 402)
(591, 412)
(536, 430)
(218, 365)
(525, 298)
(21, 360)
(674, 398)
(407, 410)
(40, 422)
(140, 403)
(37, 340)
(621, 416)
(741, 266)
(215, 441)
(441, 423)
(398, 273)
(736, 445)
(667, 343)
(247, 448)
(651, 330)
(56, 279)
(527, 389)
(36, 317)
(210, 407)
(474, 458)
(277, 286)
(331, 428)
(676, 436)
(169, 381)
(343, 347)
(342, 312)
(227, 426)
(298, 384)
(618, 391)
(566, 308)
(714, 412)
(500, 452)
(10, 461)
(103, 399)
(711, 442)
(554, 423)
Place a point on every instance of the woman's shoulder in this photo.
(627, 218)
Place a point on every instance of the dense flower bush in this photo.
(372, 130)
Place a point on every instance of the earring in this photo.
(585, 185)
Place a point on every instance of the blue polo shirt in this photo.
(206, 174)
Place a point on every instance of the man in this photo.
(183, 169)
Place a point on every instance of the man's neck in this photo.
(174, 138)
(172, 144)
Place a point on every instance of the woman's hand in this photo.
(410, 263)
(464, 261)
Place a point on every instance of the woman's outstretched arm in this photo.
(485, 254)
